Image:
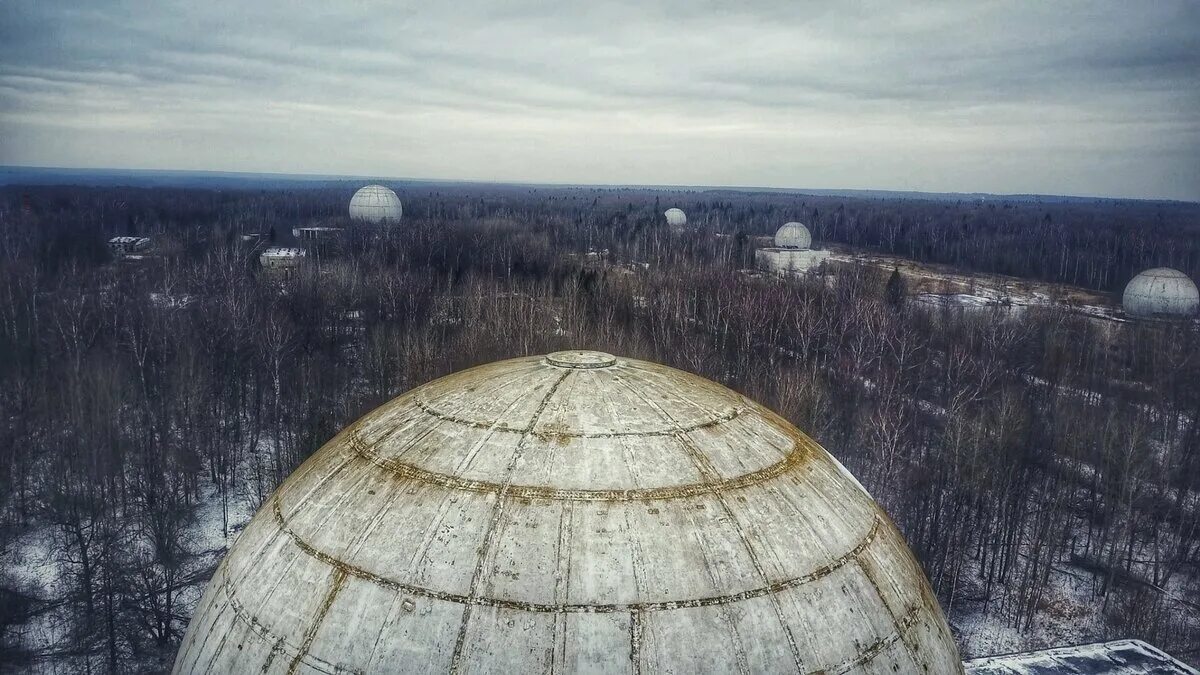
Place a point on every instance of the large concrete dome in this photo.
(375, 204)
(793, 235)
(675, 217)
(568, 513)
(1161, 292)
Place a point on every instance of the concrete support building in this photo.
(281, 259)
(792, 253)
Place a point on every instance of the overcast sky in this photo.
(1062, 97)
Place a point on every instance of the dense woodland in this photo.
(1015, 450)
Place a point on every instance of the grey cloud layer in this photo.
(1078, 97)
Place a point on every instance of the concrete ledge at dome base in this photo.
(1120, 657)
(789, 261)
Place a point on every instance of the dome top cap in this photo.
(581, 358)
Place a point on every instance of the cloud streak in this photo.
(1067, 97)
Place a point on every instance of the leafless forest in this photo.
(1045, 466)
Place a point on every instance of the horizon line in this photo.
(302, 177)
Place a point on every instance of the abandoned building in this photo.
(792, 253)
(566, 513)
(283, 259)
(122, 246)
(582, 512)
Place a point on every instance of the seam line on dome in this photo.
(635, 641)
(489, 536)
(335, 587)
(877, 647)
(706, 468)
(801, 450)
(575, 608)
(896, 621)
(279, 644)
(428, 409)
(636, 629)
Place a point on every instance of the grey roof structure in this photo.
(675, 217)
(1161, 291)
(568, 513)
(375, 204)
(126, 244)
(283, 252)
(281, 257)
(1122, 657)
(793, 235)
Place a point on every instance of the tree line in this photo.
(145, 404)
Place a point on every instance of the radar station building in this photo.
(123, 246)
(282, 260)
(1161, 293)
(792, 253)
(375, 204)
(676, 218)
(574, 512)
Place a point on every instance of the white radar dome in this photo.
(675, 217)
(375, 204)
(793, 235)
(575, 512)
(1161, 292)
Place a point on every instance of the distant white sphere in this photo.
(793, 235)
(375, 204)
(1161, 292)
(675, 217)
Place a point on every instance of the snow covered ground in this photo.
(35, 559)
(32, 559)
(942, 286)
(1069, 615)
(205, 536)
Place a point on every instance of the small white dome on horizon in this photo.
(375, 204)
(793, 235)
(675, 217)
(1161, 291)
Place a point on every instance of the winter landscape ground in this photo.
(1038, 447)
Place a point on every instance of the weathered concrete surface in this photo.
(570, 513)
